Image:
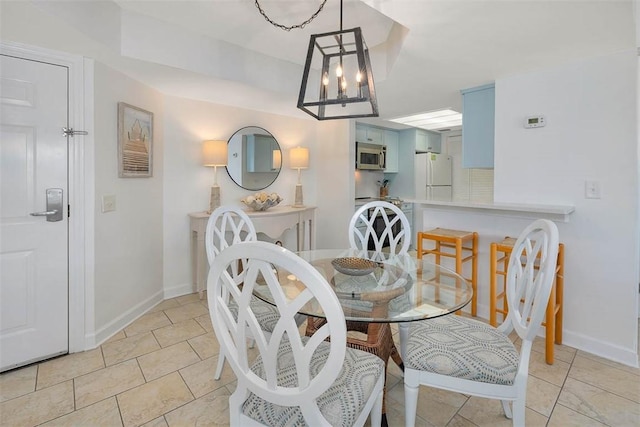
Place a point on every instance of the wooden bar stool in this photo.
(499, 255)
(456, 240)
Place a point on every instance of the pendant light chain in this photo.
(302, 25)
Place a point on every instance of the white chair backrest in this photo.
(227, 225)
(530, 278)
(398, 242)
(264, 263)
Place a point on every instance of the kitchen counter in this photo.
(520, 210)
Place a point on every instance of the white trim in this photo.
(179, 290)
(80, 308)
(125, 319)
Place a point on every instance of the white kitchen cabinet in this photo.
(478, 126)
(424, 141)
(391, 141)
(370, 134)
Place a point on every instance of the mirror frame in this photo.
(233, 153)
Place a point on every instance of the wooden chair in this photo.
(464, 355)
(294, 380)
(499, 256)
(454, 239)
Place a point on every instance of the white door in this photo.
(33, 249)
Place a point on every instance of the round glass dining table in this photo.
(377, 287)
(375, 290)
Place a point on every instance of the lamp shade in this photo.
(299, 158)
(214, 153)
(276, 157)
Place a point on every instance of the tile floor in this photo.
(159, 372)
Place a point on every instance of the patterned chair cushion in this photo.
(461, 347)
(266, 313)
(340, 404)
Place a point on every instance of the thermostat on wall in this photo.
(534, 122)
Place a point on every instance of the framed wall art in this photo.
(135, 142)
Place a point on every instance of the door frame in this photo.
(80, 180)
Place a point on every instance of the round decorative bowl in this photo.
(354, 266)
(262, 201)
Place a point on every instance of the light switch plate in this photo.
(591, 190)
(108, 203)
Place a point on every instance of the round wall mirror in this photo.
(255, 158)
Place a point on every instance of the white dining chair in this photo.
(383, 222)
(464, 355)
(294, 380)
(229, 225)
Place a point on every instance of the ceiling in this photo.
(423, 51)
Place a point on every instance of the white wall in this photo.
(128, 242)
(187, 183)
(590, 107)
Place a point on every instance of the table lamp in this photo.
(299, 159)
(214, 154)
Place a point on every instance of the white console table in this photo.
(273, 222)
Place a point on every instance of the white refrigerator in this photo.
(433, 177)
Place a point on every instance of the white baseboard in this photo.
(179, 290)
(125, 319)
(600, 348)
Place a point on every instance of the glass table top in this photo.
(374, 287)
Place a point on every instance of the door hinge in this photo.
(73, 132)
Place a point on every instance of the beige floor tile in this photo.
(120, 335)
(189, 298)
(67, 367)
(129, 348)
(205, 322)
(612, 379)
(38, 407)
(158, 422)
(169, 303)
(107, 382)
(104, 413)
(18, 382)
(565, 417)
(599, 404)
(560, 352)
(199, 377)
(209, 410)
(153, 399)
(185, 312)
(182, 331)
(541, 395)
(488, 412)
(146, 323)
(161, 362)
(435, 406)
(456, 421)
(555, 374)
(205, 345)
(629, 369)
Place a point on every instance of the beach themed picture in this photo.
(135, 142)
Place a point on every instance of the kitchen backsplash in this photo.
(367, 183)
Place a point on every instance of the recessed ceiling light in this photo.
(432, 120)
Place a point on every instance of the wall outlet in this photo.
(591, 190)
(108, 203)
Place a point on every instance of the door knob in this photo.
(47, 213)
(54, 205)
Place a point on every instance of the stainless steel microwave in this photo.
(371, 156)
